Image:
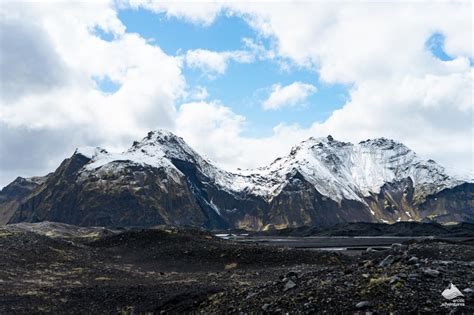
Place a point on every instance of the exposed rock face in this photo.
(450, 205)
(13, 195)
(161, 180)
(135, 195)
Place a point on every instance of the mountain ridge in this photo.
(162, 180)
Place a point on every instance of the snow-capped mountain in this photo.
(161, 180)
(341, 170)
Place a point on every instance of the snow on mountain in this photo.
(162, 180)
(156, 150)
(379, 161)
(341, 170)
(338, 170)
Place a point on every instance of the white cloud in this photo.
(352, 41)
(199, 93)
(216, 124)
(216, 131)
(289, 95)
(194, 11)
(258, 48)
(212, 62)
(28, 63)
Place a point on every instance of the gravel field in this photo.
(61, 269)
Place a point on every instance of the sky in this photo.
(241, 81)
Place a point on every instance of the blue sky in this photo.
(244, 86)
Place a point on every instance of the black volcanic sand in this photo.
(180, 271)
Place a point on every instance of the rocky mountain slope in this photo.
(161, 180)
(13, 194)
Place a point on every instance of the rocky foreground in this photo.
(54, 268)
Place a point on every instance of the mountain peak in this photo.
(161, 142)
(319, 143)
(90, 152)
(160, 137)
(383, 143)
(161, 134)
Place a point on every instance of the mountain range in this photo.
(161, 180)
